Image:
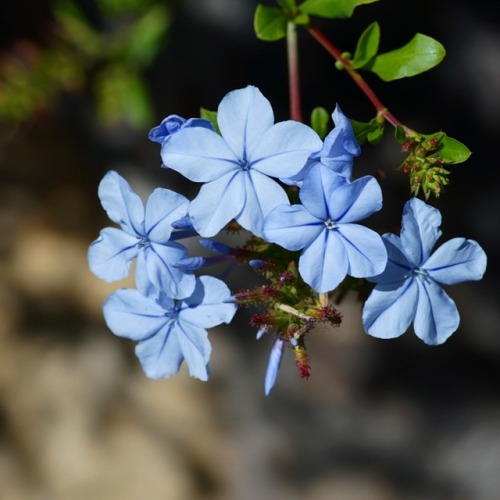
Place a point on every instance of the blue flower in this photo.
(237, 167)
(408, 291)
(339, 148)
(323, 227)
(172, 124)
(145, 234)
(167, 330)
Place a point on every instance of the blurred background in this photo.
(81, 84)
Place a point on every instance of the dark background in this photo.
(377, 420)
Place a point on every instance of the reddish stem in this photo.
(358, 79)
(293, 72)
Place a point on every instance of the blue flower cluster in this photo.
(244, 169)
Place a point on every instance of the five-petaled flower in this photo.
(323, 226)
(408, 290)
(237, 165)
(168, 330)
(145, 234)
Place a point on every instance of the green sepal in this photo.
(371, 131)
(420, 54)
(270, 23)
(319, 121)
(332, 8)
(367, 46)
(211, 116)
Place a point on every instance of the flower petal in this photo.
(195, 347)
(356, 200)
(162, 209)
(130, 314)
(262, 194)
(398, 267)
(456, 261)
(420, 230)
(324, 263)
(292, 227)
(390, 309)
(217, 203)
(365, 249)
(437, 315)
(199, 154)
(243, 116)
(110, 255)
(284, 149)
(318, 190)
(273, 365)
(121, 203)
(156, 262)
(210, 304)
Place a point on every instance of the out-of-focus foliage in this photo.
(106, 62)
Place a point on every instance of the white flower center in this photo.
(331, 224)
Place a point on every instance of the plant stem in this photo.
(382, 111)
(293, 72)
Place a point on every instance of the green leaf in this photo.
(319, 121)
(288, 5)
(420, 54)
(211, 116)
(367, 46)
(453, 151)
(270, 23)
(332, 8)
(371, 131)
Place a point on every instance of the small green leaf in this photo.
(332, 8)
(420, 54)
(319, 121)
(367, 46)
(371, 131)
(453, 151)
(270, 23)
(211, 116)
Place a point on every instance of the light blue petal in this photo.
(195, 348)
(243, 116)
(324, 264)
(162, 209)
(121, 203)
(456, 261)
(319, 189)
(110, 255)
(420, 230)
(190, 263)
(437, 315)
(365, 249)
(262, 194)
(292, 227)
(210, 304)
(398, 267)
(284, 149)
(273, 365)
(355, 201)
(199, 154)
(157, 263)
(217, 203)
(161, 355)
(130, 314)
(390, 309)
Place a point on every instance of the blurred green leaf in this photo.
(453, 151)
(211, 116)
(288, 5)
(420, 54)
(371, 131)
(270, 23)
(332, 8)
(367, 46)
(319, 121)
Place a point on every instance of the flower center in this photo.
(245, 165)
(331, 224)
(143, 242)
(421, 274)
